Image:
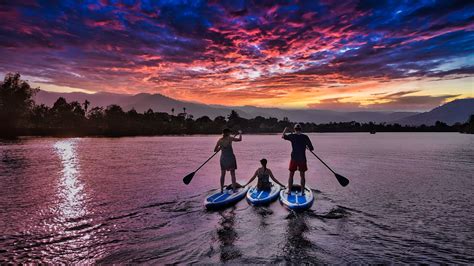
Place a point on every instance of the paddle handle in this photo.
(323, 162)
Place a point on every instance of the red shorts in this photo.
(295, 165)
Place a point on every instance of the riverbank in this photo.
(169, 125)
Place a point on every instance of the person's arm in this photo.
(274, 179)
(309, 144)
(251, 179)
(239, 138)
(283, 135)
(218, 146)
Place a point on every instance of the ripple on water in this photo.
(100, 200)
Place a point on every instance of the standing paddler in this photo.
(228, 161)
(299, 143)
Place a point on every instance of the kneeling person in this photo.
(264, 174)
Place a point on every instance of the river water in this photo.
(122, 200)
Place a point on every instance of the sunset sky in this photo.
(341, 55)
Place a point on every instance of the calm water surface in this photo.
(119, 200)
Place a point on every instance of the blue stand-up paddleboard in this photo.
(228, 197)
(296, 201)
(262, 197)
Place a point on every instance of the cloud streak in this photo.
(398, 101)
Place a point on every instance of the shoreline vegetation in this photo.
(21, 116)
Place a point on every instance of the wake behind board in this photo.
(296, 201)
(228, 197)
(262, 197)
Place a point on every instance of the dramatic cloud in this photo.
(332, 54)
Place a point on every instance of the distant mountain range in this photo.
(449, 113)
(455, 111)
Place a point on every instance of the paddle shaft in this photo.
(206, 161)
(323, 162)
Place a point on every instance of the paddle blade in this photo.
(342, 180)
(187, 179)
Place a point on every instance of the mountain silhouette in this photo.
(450, 113)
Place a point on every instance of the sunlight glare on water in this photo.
(70, 187)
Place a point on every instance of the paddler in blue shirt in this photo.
(299, 143)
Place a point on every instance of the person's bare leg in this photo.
(234, 183)
(222, 180)
(290, 181)
(303, 181)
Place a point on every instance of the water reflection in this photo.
(71, 189)
(263, 212)
(297, 246)
(12, 161)
(42, 175)
(227, 236)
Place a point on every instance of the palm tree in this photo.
(172, 111)
(86, 105)
(184, 110)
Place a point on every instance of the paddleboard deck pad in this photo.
(295, 200)
(262, 197)
(228, 197)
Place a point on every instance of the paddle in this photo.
(342, 180)
(187, 179)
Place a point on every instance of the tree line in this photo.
(20, 115)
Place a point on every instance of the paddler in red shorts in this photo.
(299, 143)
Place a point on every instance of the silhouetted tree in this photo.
(96, 120)
(40, 116)
(114, 117)
(204, 120)
(15, 103)
(470, 125)
(440, 125)
(205, 125)
(132, 113)
(96, 113)
(233, 116)
(66, 115)
(149, 113)
(219, 122)
(235, 121)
